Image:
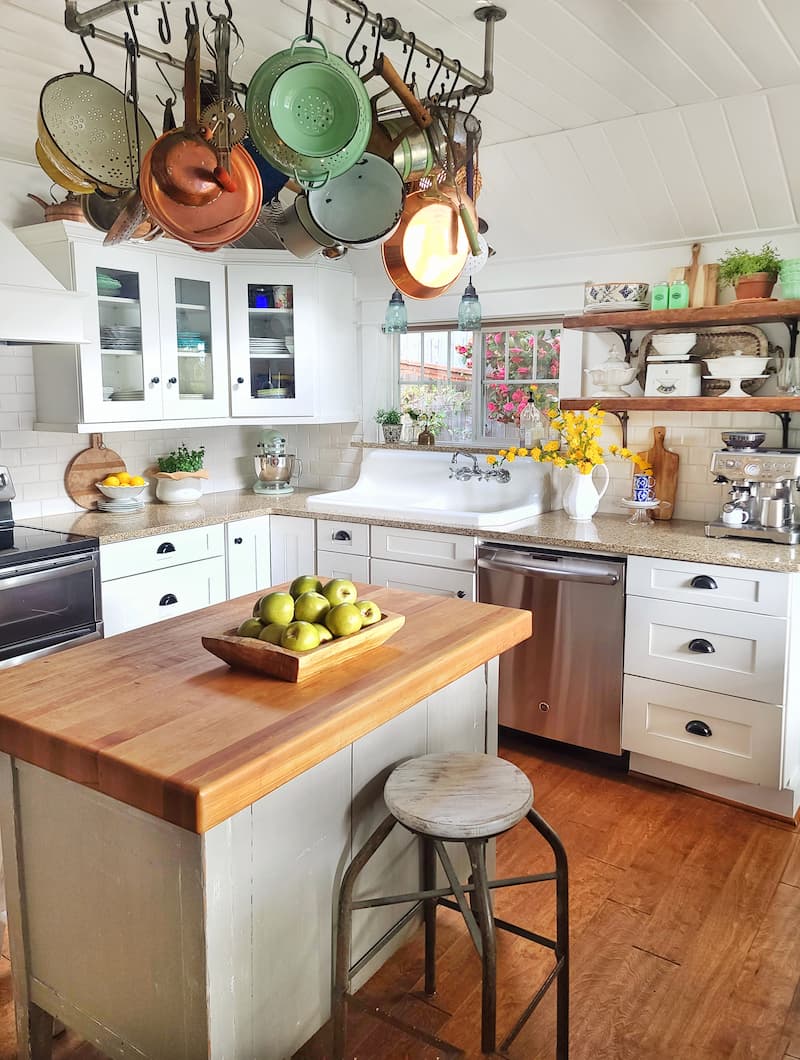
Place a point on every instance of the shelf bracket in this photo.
(786, 419)
(791, 326)
(623, 416)
(625, 335)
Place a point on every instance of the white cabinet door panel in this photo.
(420, 579)
(129, 603)
(734, 588)
(123, 558)
(292, 547)
(335, 565)
(454, 551)
(247, 542)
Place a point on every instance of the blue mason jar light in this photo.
(396, 319)
(469, 309)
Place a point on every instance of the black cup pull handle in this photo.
(155, 380)
(701, 646)
(237, 540)
(240, 379)
(164, 547)
(461, 594)
(698, 728)
(342, 535)
(167, 599)
(173, 379)
(703, 581)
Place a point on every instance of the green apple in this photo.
(276, 607)
(311, 607)
(273, 632)
(306, 583)
(343, 619)
(251, 627)
(370, 612)
(340, 591)
(324, 632)
(300, 636)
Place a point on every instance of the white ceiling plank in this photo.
(754, 39)
(673, 152)
(719, 163)
(628, 34)
(784, 106)
(786, 14)
(693, 37)
(633, 153)
(756, 145)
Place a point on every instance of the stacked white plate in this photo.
(128, 395)
(136, 504)
(268, 347)
(615, 307)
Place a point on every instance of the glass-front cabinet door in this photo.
(272, 340)
(193, 338)
(120, 365)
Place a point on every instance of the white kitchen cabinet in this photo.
(452, 551)
(711, 585)
(247, 550)
(336, 565)
(292, 543)
(418, 578)
(351, 539)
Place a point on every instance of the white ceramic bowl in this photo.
(120, 493)
(675, 345)
(733, 367)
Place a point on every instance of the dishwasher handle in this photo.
(528, 570)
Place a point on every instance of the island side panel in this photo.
(113, 902)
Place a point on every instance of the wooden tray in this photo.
(251, 654)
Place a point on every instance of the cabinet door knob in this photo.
(703, 581)
(167, 599)
(342, 535)
(155, 380)
(698, 728)
(240, 379)
(237, 541)
(701, 646)
(544, 707)
(461, 594)
(165, 546)
(173, 379)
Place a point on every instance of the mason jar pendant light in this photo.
(396, 319)
(469, 309)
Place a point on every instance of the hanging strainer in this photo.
(90, 123)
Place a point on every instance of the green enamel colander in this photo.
(308, 113)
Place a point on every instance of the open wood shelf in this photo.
(786, 310)
(685, 404)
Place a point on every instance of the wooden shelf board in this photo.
(703, 316)
(686, 404)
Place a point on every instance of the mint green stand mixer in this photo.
(274, 466)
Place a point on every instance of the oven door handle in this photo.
(56, 571)
(561, 575)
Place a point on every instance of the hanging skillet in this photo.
(363, 206)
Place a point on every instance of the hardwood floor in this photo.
(684, 927)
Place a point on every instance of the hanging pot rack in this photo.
(389, 29)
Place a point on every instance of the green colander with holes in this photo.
(308, 113)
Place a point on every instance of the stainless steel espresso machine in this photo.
(761, 500)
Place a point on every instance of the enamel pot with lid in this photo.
(362, 207)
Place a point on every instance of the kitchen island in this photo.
(174, 832)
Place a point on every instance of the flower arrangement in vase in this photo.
(180, 474)
(577, 448)
(432, 423)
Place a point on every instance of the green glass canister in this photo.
(679, 295)
(659, 295)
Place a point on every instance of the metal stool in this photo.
(466, 798)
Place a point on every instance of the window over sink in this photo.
(477, 382)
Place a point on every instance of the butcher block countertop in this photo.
(152, 719)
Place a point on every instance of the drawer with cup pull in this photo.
(712, 585)
(334, 536)
(706, 647)
(123, 558)
(719, 734)
(141, 599)
(454, 551)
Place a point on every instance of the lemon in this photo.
(111, 480)
(137, 480)
(124, 478)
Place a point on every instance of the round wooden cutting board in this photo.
(90, 466)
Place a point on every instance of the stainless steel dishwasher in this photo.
(564, 682)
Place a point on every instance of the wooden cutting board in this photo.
(665, 473)
(706, 282)
(90, 466)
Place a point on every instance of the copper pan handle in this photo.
(421, 115)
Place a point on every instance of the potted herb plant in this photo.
(752, 274)
(180, 474)
(391, 422)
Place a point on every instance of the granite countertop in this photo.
(678, 539)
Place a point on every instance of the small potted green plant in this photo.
(752, 274)
(180, 474)
(391, 422)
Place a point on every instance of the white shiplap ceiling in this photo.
(620, 122)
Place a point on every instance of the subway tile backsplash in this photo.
(38, 460)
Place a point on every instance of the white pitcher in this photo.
(581, 499)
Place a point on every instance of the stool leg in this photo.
(562, 932)
(341, 982)
(477, 856)
(430, 904)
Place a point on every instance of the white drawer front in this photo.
(418, 578)
(350, 538)
(743, 738)
(664, 640)
(129, 603)
(758, 591)
(335, 565)
(124, 558)
(423, 546)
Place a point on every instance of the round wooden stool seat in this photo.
(458, 795)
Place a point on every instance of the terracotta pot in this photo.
(756, 285)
